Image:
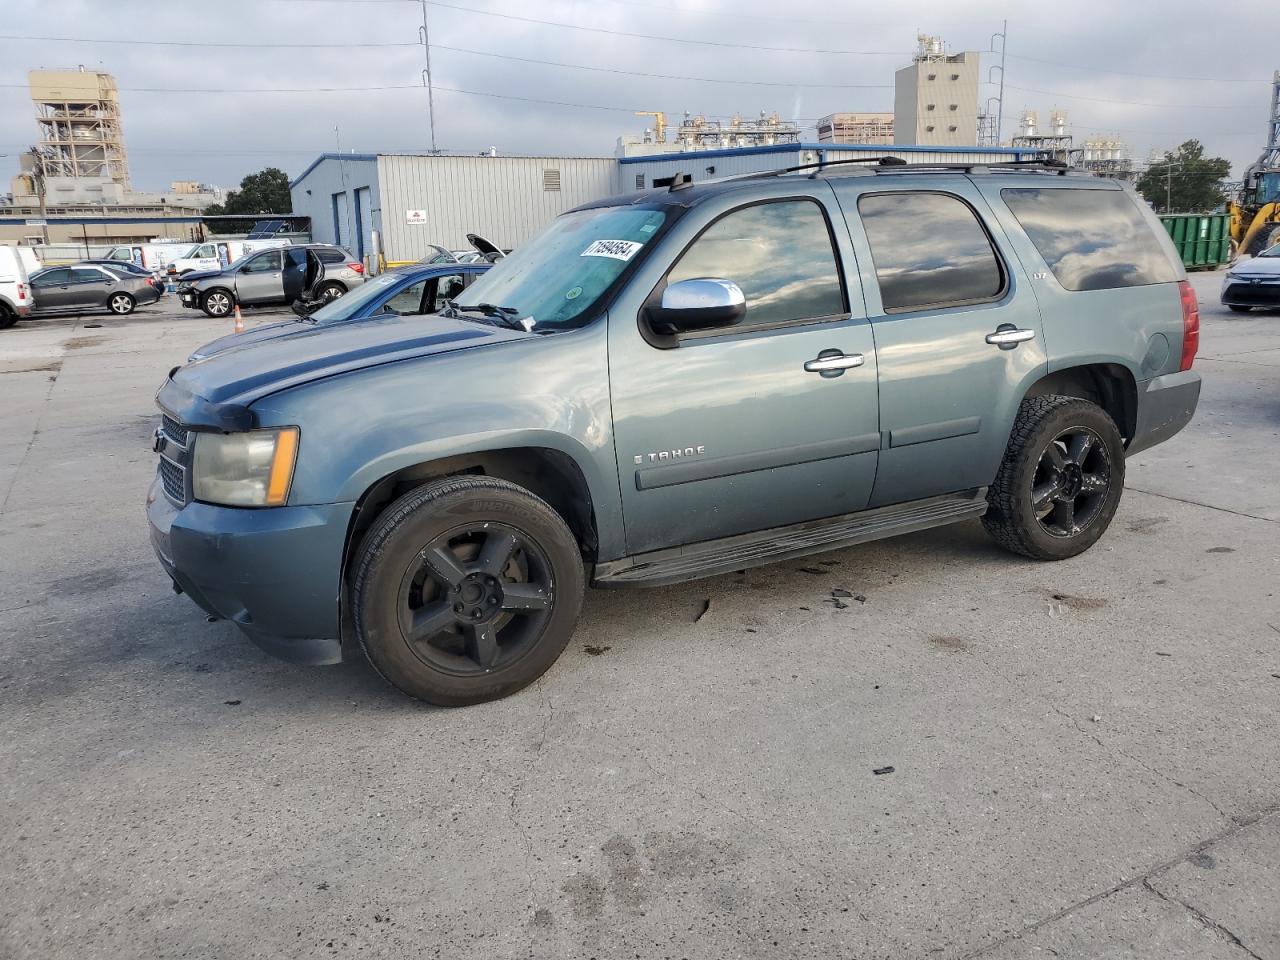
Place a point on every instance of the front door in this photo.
(734, 430)
(259, 279)
(52, 290)
(957, 331)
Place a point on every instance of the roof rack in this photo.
(871, 166)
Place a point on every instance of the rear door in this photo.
(294, 278)
(727, 431)
(957, 330)
(90, 286)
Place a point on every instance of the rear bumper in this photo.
(275, 573)
(1165, 405)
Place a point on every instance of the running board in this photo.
(726, 555)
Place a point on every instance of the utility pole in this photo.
(426, 78)
(37, 174)
(1004, 43)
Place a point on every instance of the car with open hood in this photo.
(674, 384)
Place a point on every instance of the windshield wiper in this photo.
(509, 316)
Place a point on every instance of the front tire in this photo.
(466, 589)
(217, 303)
(1060, 481)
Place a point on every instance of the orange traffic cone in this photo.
(239, 320)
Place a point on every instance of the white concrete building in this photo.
(935, 100)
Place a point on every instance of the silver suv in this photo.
(270, 277)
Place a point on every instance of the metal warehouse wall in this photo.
(506, 199)
(731, 162)
(348, 184)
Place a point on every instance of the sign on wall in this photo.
(415, 216)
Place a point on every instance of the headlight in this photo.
(252, 469)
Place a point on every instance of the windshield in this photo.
(556, 278)
(1271, 251)
(348, 305)
(189, 252)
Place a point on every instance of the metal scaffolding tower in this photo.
(78, 116)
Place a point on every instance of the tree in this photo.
(263, 192)
(1186, 181)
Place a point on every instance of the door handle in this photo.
(835, 361)
(1009, 337)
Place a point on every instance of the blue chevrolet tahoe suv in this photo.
(674, 384)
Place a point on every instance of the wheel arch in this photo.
(1111, 386)
(548, 473)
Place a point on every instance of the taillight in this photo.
(357, 267)
(1190, 324)
(22, 292)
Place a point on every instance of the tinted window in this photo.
(1091, 239)
(779, 253)
(52, 277)
(330, 255)
(929, 251)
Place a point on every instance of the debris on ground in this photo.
(1096, 718)
(837, 603)
(1161, 653)
(1220, 550)
(881, 771)
(813, 571)
(592, 650)
(232, 703)
(841, 592)
(706, 605)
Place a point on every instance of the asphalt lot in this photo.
(1086, 755)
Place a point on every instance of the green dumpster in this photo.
(1203, 239)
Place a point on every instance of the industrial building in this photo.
(696, 133)
(935, 100)
(414, 201)
(868, 128)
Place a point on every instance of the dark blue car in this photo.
(409, 291)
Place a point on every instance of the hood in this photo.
(269, 331)
(487, 247)
(217, 391)
(1257, 267)
(195, 275)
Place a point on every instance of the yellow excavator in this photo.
(1255, 217)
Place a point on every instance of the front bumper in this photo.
(1255, 292)
(1165, 405)
(276, 573)
(190, 298)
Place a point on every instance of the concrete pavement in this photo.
(1086, 755)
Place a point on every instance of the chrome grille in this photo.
(174, 430)
(174, 480)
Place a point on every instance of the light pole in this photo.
(426, 78)
(1004, 43)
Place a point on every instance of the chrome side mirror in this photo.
(703, 303)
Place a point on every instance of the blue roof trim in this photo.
(831, 147)
(329, 156)
(53, 218)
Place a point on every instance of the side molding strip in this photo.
(687, 471)
(934, 431)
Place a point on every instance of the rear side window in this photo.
(929, 250)
(779, 253)
(330, 255)
(1091, 239)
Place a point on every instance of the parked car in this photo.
(1254, 282)
(278, 276)
(154, 256)
(409, 292)
(16, 266)
(216, 254)
(129, 270)
(677, 384)
(85, 287)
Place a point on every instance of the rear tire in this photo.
(1060, 481)
(466, 589)
(217, 303)
(8, 317)
(330, 292)
(121, 304)
(1237, 308)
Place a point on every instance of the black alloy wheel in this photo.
(475, 599)
(1071, 482)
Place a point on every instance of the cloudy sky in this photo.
(242, 84)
